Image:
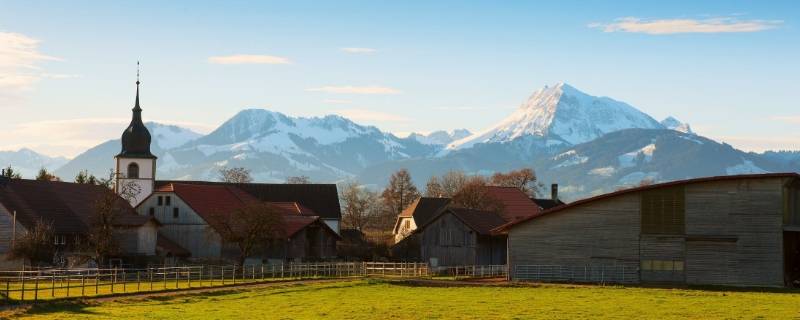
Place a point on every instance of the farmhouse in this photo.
(731, 230)
(458, 236)
(188, 212)
(70, 207)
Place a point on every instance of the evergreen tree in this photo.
(400, 192)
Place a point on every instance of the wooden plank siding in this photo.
(733, 234)
(605, 232)
(447, 241)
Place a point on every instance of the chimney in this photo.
(554, 191)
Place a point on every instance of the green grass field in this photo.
(374, 299)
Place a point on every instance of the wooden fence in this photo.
(45, 284)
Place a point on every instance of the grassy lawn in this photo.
(373, 299)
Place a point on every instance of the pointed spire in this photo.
(136, 107)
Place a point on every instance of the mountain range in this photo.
(587, 144)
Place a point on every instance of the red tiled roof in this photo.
(516, 204)
(209, 200)
(507, 226)
(294, 208)
(69, 206)
(323, 199)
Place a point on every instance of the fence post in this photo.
(83, 284)
(96, 282)
(36, 289)
(68, 278)
(52, 284)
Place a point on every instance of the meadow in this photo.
(381, 299)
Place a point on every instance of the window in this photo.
(160, 200)
(133, 170)
(168, 201)
(175, 213)
(662, 265)
(152, 211)
(663, 211)
(407, 224)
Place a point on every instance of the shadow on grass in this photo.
(72, 307)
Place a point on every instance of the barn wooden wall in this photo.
(459, 250)
(733, 235)
(602, 232)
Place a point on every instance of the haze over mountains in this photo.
(587, 144)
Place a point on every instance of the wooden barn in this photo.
(70, 208)
(458, 236)
(741, 230)
(186, 211)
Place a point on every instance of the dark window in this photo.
(133, 170)
(663, 211)
(160, 200)
(169, 200)
(175, 212)
(152, 211)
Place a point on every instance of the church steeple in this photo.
(136, 138)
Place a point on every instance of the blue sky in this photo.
(67, 69)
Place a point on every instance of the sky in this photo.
(68, 68)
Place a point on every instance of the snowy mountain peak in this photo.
(564, 115)
(674, 124)
(440, 137)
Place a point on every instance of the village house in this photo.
(187, 213)
(71, 209)
(443, 235)
(741, 230)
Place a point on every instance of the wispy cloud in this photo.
(249, 59)
(787, 119)
(68, 137)
(356, 89)
(19, 62)
(761, 143)
(675, 26)
(356, 50)
(370, 115)
(337, 101)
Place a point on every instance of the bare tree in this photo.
(475, 195)
(44, 175)
(400, 192)
(298, 180)
(452, 182)
(36, 245)
(361, 206)
(101, 239)
(523, 179)
(235, 175)
(250, 228)
(434, 189)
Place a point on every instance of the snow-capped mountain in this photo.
(100, 159)
(674, 124)
(28, 162)
(440, 137)
(565, 116)
(272, 145)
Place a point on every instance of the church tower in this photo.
(135, 165)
